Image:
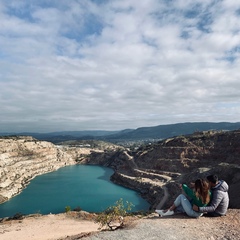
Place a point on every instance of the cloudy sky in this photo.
(116, 64)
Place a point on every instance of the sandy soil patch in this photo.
(45, 227)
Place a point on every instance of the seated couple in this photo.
(209, 197)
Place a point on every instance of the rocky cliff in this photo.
(155, 170)
(23, 158)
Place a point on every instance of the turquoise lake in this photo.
(84, 186)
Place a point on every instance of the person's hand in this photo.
(195, 208)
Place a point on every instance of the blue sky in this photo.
(111, 65)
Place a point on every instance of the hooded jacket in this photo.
(220, 199)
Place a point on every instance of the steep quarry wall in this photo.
(23, 158)
(156, 170)
(185, 153)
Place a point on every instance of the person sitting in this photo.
(220, 199)
(200, 196)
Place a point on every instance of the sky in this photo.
(117, 64)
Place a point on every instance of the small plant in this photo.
(67, 209)
(18, 216)
(77, 209)
(113, 216)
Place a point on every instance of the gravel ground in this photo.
(81, 225)
(178, 227)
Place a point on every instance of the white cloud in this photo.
(117, 64)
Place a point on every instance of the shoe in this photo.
(160, 212)
(168, 213)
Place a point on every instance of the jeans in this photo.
(183, 205)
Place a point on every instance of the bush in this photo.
(67, 209)
(18, 216)
(113, 216)
(77, 209)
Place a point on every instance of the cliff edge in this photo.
(23, 158)
(73, 226)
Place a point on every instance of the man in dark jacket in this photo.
(220, 199)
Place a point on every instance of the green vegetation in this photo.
(113, 216)
(18, 216)
(77, 209)
(67, 209)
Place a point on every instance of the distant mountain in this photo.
(56, 137)
(171, 130)
(143, 133)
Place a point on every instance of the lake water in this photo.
(84, 186)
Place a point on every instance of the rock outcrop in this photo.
(156, 170)
(23, 158)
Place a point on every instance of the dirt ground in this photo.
(71, 227)
(45, 227)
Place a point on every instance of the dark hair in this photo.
(212, 178)
(202, 190)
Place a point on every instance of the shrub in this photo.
(67, 209)
(77, 209)
(113, 216)
(18, 216)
